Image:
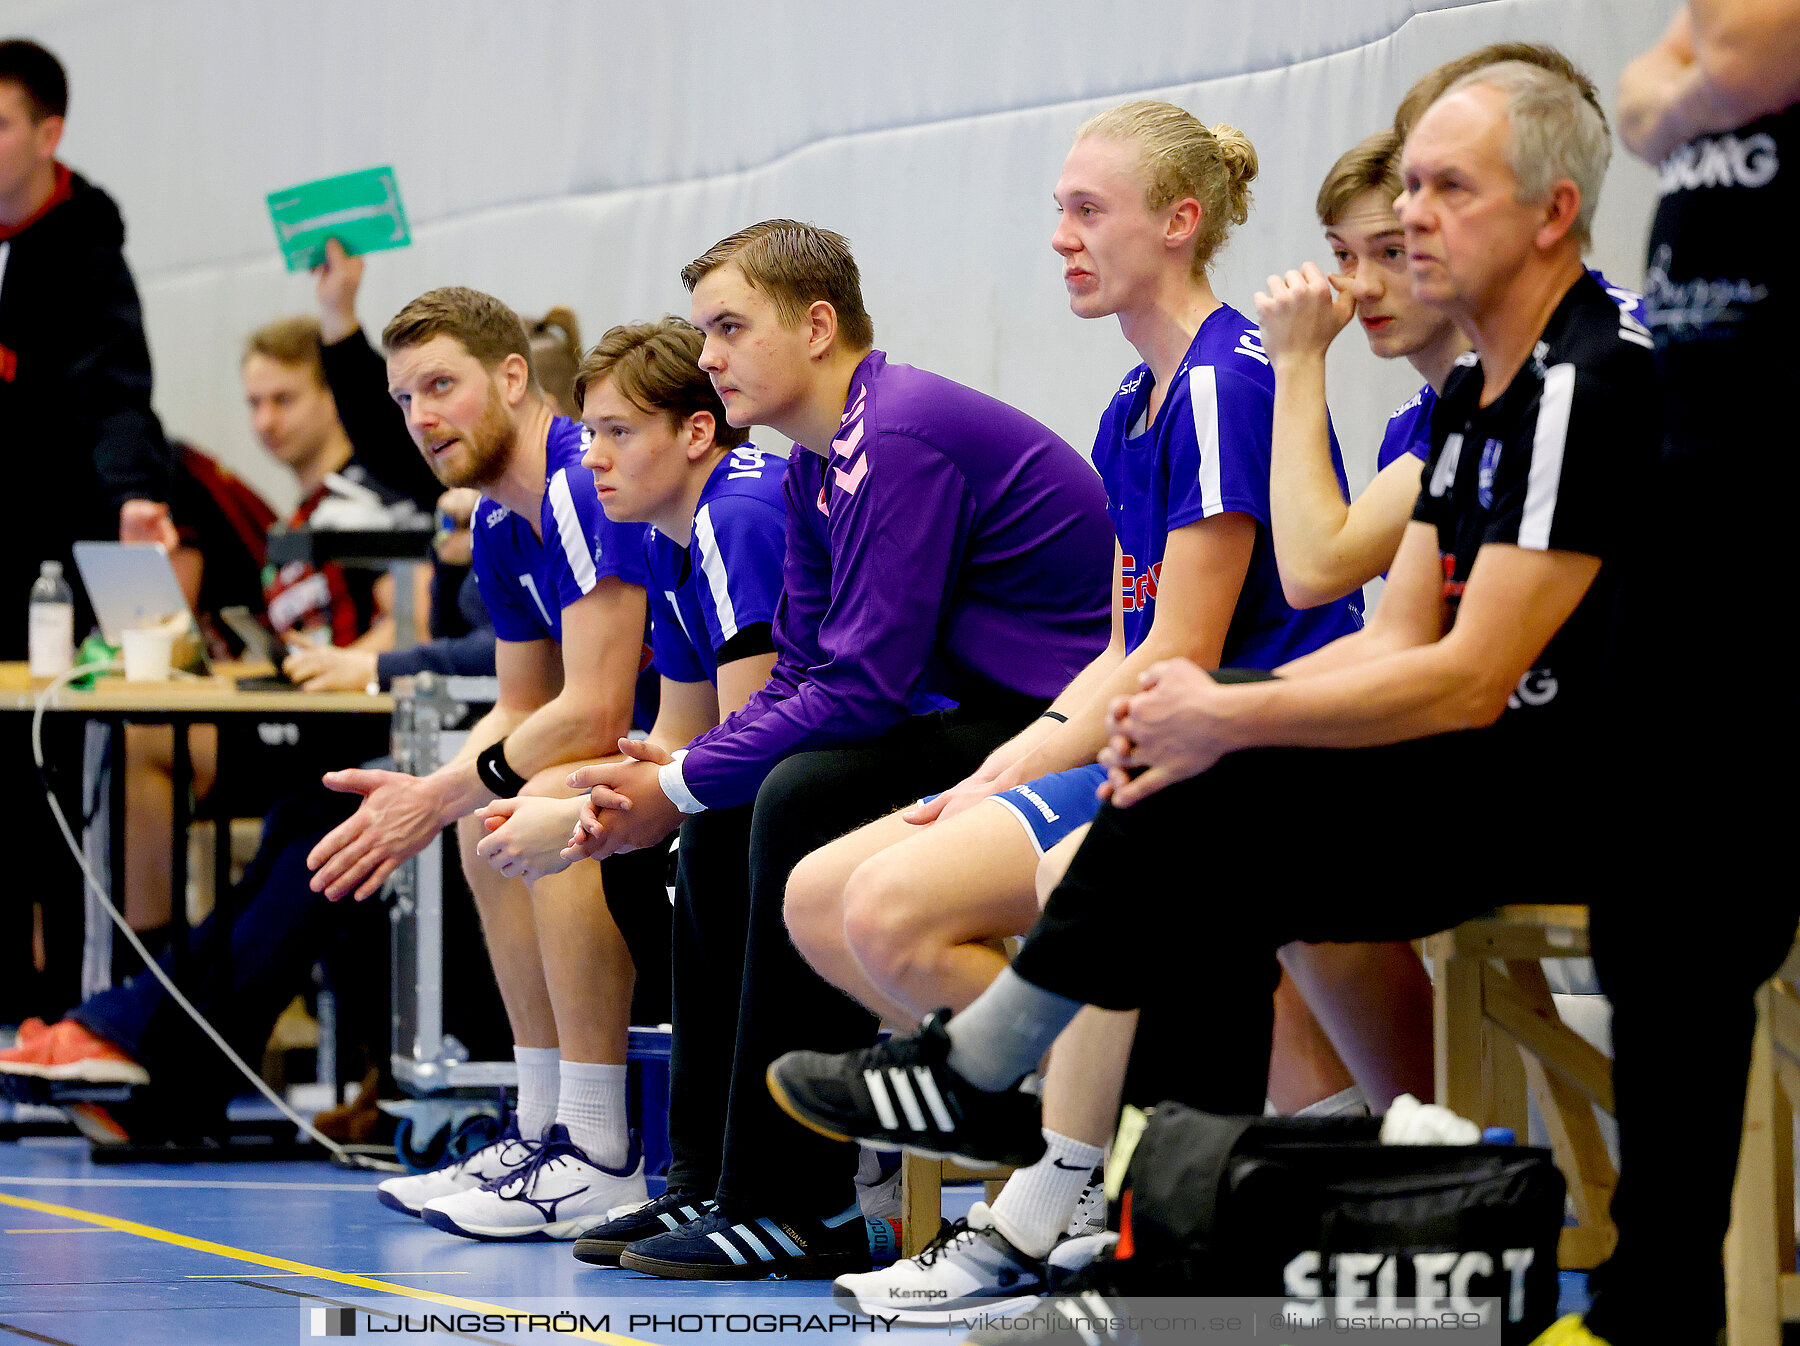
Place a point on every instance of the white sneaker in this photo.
(411, 1194)
(969, 1265)
(1087, 1236)
(1090, 1210)
(558, 1193)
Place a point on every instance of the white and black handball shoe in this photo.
(902, 1095)
(967, 1265)
(411, 1194)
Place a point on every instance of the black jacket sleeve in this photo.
(109, 381)
(357, 377)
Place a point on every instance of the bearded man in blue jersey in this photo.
(565, 587)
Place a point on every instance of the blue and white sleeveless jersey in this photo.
(1207, 453)
(526, 583)
(728, 578)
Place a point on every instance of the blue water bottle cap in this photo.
(1499, 1135)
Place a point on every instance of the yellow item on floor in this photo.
(1569, 1330)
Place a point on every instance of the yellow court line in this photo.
(285, 1264)
(302, 1275)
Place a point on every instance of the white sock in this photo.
(592, 1106)
(1344, 1103)
(1034, 1207)
(537, 1088)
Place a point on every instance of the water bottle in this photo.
(52, 636)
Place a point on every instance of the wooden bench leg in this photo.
(1569, 1121)
(921, 1202)
(1752, 1271)
(1456, 1025)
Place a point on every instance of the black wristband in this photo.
(491, 770)
(1056, 715)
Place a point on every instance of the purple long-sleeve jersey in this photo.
(946, 543)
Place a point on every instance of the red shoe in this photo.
(68, 1051)
(30, 1033)
(97, 1124)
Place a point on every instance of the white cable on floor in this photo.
(155, 968)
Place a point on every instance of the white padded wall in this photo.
(580, 151)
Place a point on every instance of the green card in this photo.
(360, 210)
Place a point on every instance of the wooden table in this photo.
(180, 702)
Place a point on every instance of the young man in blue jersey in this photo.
(1479, 676)
(946, 574)
(664, 454)
(565, 588)
(901, 914)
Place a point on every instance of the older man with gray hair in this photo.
(1476, 688)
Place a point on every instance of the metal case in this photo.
(431, 719)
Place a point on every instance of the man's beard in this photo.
(487, 447)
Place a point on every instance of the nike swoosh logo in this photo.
(1084, 1168)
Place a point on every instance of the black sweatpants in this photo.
(1177, 905)
(743, 993)
(1702, 909)
(1142, 921)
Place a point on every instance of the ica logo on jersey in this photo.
(747, 462)
(1137, 592)
(1250, 343)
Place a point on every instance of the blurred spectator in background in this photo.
(82, 447)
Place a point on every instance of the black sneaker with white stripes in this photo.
(902, 1094)
(601, 1245)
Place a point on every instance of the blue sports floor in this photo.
(243, 1253)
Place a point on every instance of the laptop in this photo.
(260, 643)
(132, 585)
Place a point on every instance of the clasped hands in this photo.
(1171, 729)
(625, 809)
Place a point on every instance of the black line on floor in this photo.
(34, 1336)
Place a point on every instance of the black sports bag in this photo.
(1320, 1213)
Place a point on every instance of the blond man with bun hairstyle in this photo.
(903, 912)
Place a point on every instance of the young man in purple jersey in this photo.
(565, 588)
(946, 574)
(1480, 676)
(903, 913)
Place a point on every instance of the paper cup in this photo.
(147, 654)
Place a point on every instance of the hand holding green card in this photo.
(360, 210)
